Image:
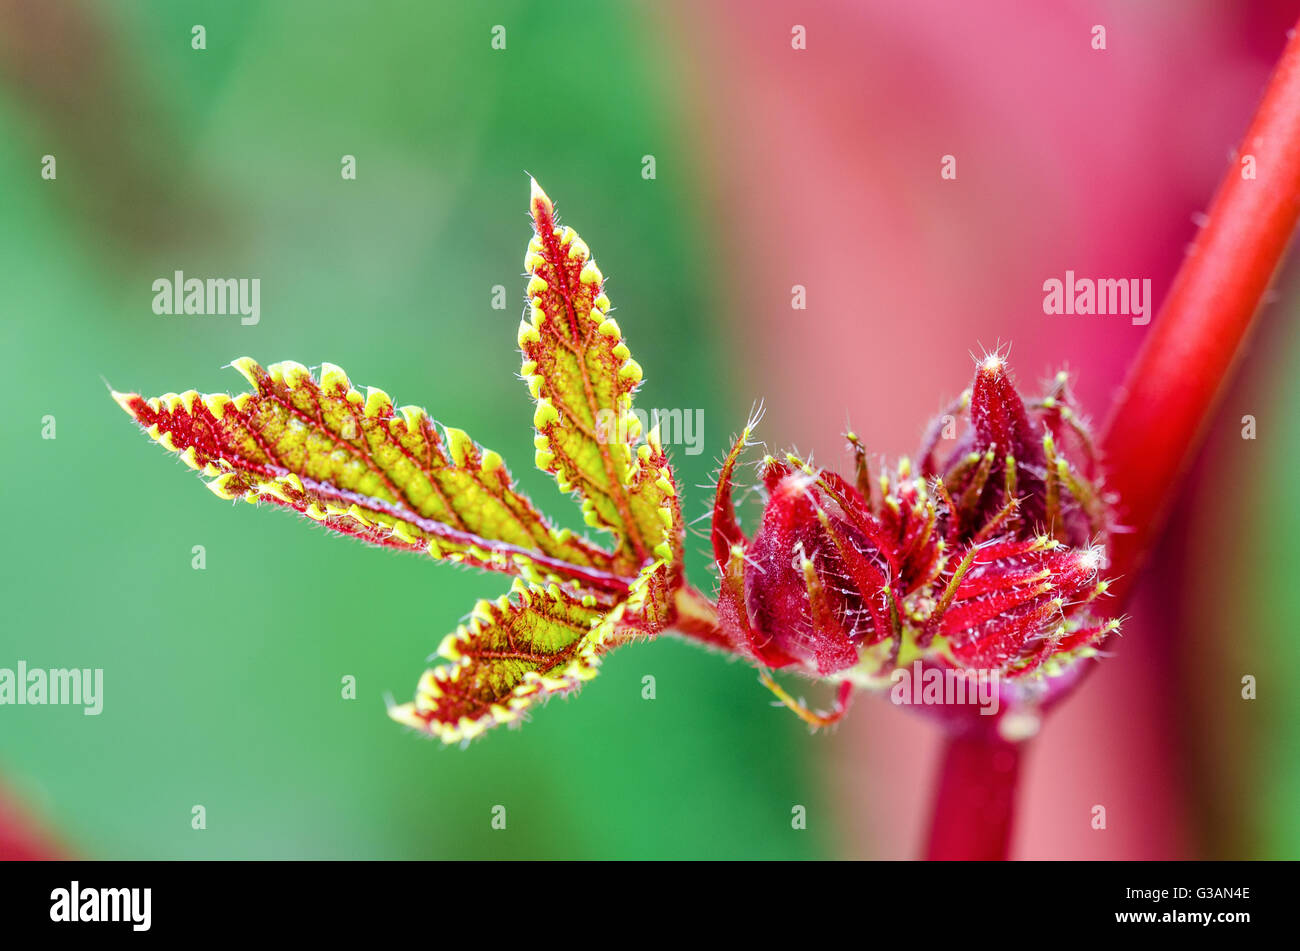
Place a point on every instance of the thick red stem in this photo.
(975, 798)
(1158, 417)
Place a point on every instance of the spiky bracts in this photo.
(985, 559)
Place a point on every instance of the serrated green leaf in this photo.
(524, 648)
(582, 377)
(362, 468)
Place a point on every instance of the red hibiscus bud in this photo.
(997, 412)
(989, 561)
(794, 579)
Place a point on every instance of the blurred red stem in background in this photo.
(1158, 417)
(21, 837)
(1165, 403)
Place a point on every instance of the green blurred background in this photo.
(222, 686)
(775, 166)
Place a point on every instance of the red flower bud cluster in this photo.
(984, 555)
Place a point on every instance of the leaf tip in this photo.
(404, 713)
(538, 201)
(128, 401)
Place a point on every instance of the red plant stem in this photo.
(1157, 420)
(975, 799)
(1158, 416)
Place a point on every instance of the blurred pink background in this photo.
(825, 172)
